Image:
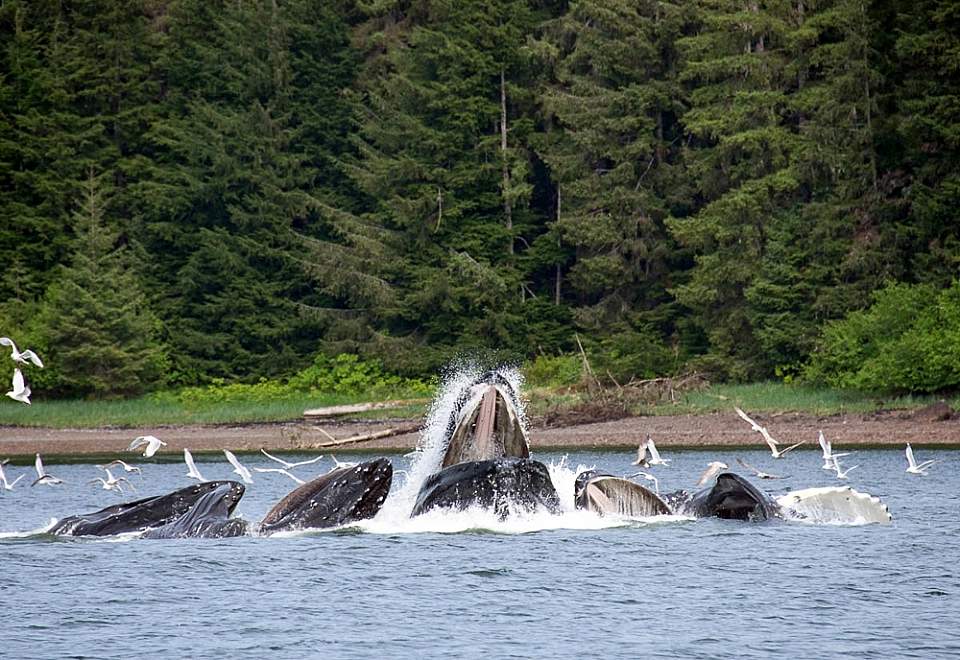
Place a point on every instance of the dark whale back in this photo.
(339, 497)
(209, 517)
(499, 484)
(145, 513)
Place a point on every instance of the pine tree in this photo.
(98, 335)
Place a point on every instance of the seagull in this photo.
(237, 468)
(648, 477)
(118, 463)
(713, 468)
(841, 474)
(3, 479)
(759, 473)
(654, 454)
(152, 443)
(20, 391)
(281, 471)
(828, 452)
(42, 476)
(193, 472)
(111, 482)
(337, 464)
(287, 464)
(775, 451)
(642, 460)
(912, 466)
(17, 356)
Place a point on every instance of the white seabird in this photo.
(192, 472)
(713, 468)
(648, 477)
(126, 467)
(20, 391)
(6, 485)
(281, 471)
(153, 444)
(655, 458)
(913, 467)
(760, 474)
(42, 476)
(111, 482)
(642, 459)
(775, 450)
(828, 453)
(238, 468)
(17, 356)
(287, 464)
(841, 474)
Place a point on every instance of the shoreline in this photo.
(713, 430)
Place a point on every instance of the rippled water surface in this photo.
(468, 586)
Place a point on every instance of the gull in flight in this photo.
(287, 464)
(841, 474)
(642, 459)
(775, 451)
(337, 464)
(17, 356)
(126, 466)
(20, 391)
(281, 471)
(42, 476)
(237, 467)
(912, 466)
(713, 468)
(648, 477)
(193, 472)
(6, 485)
(654, 454)
(828, 452)
(759, 474)
(111, 482)
(152, 443)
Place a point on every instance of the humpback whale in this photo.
(606, 494)
(209, 517)
(733, 498)
(486, 456)
(339, 497)
(148, 512)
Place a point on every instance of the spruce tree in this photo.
(98, 334)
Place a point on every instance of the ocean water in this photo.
(468, 585)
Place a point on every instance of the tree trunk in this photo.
(507, 210)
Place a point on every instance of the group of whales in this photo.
(486, 463)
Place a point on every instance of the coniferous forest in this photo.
(194, 190)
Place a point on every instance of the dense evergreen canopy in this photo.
(705, 184)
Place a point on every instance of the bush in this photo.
(908, 340)
(553, 371)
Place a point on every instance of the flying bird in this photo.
(337, 464)
(20, 391)
(6, 485)
(192, 472)
(118, 463)
(152, 443)
(287, 464)
(17, 356)
(759, 474)
(654, 454)
(713, 468)
(42, 476)
(281, 471)
(111, 482)
(642, 459)
(842, 474)
(828, 452)
(648, 477)
(238, 468)
(912, 466)
(775, 450)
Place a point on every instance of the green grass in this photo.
(146, 411)
(155, 411)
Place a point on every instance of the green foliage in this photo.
(908, 340)
(553, 371)
(345, 377)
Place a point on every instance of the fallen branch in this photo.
(338, 411)
(354, 439)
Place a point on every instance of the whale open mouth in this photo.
(487, 427)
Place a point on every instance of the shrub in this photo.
(553, 371)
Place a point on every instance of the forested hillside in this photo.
(195, 189)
